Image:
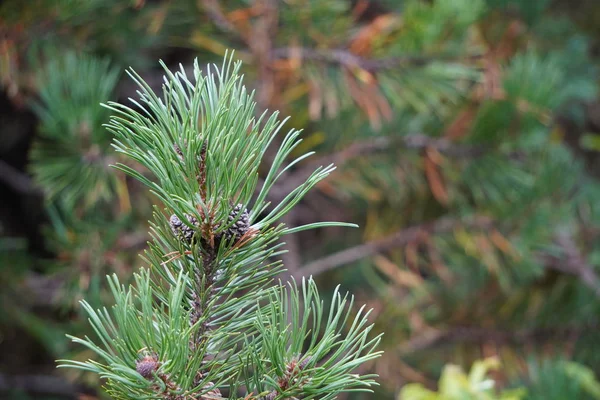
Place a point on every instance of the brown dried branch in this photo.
(417, 141)
(42, 385)
(349, 60)
(264, 31)
(499, 336)
(214, 11)
(295, 179)
(573, 263)
(132, 241)
(17, 180)
(398, 239)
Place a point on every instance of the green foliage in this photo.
(70, 157)
(70, 162)
(205, 317)
(465, 134)
(437, 27)
(585, 377)
(316, 16)
(224, 110)
(560, 379)
(530, 10)
(280, 341)
(456, 385)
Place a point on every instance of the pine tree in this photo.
(205, 318)
(465, 135)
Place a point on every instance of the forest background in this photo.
(466, 134)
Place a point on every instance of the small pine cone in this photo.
(212, 394)
(146, 366)
(241, 225)
(181, 230)
(179, 152)
(270, 396)
(304, 363)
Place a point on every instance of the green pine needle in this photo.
(204, 317)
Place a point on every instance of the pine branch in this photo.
(69, 157)
(398, 239)
(347, 59)
(197, 318)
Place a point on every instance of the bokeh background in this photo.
(467, 139)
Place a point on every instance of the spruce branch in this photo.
(194, 322)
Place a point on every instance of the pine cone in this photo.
(181, 230)
(304, 363)
(270, 396)
(179, 152)
(146, 366)
(242, 224)
(212, 394)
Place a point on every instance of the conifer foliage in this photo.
(465, 135)
(204, 320)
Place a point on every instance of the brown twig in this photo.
(395, 240)
(292, 181)
(132, 241)
(416, 141)
(214, 11)
(41, 385)
(499, 336)
(264, 30)
(17, 180)
(573, 263)
(347, 59)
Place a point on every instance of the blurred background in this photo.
(467, 139)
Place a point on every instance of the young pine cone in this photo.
(181, 230)
(146, 366)
(304, 363)
(270, 396)
(212, 394)
(241, 225)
